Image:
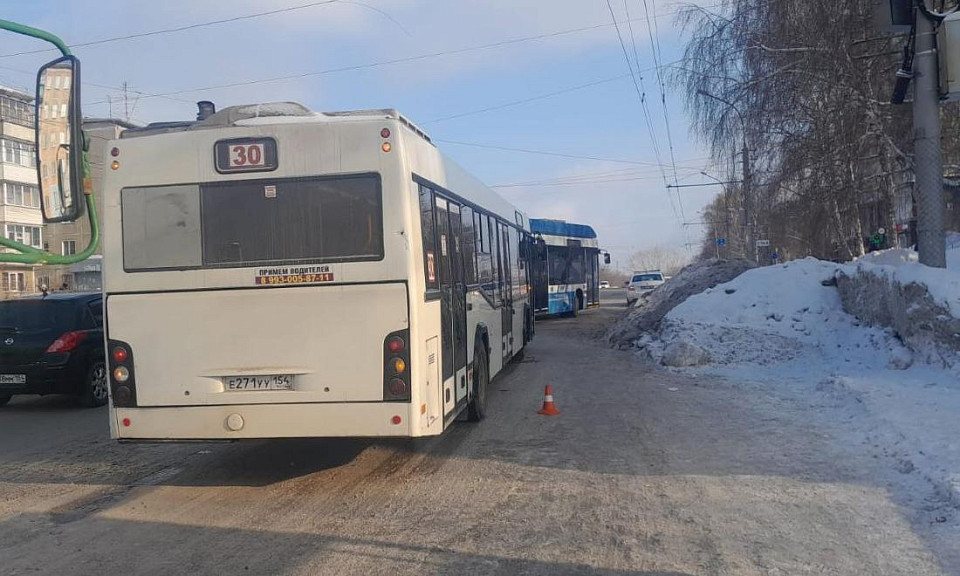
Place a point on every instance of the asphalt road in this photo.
(613, 298)
(644, 472)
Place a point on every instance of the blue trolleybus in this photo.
(566, 267)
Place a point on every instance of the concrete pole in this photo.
(928, 160)
(745, 187)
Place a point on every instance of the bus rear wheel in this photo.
(577, 304)
(477, 408)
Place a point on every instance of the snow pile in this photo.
(900, 265)
(646, 316)
(776, 314)
(787, 327)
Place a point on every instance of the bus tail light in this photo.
(396, 367)
(397, 387)
(123, 381)
(119, 354)
(396, 345)
(121, 374)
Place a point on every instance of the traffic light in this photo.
(893, 16)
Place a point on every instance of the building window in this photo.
(25, 234)
(16, 111)
(20, 153)
(15, 194)
(69, 247)
(13, 281)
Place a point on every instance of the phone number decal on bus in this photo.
(299, 275)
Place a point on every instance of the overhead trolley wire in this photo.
(653, 32)
(179, 28)
(641, 95)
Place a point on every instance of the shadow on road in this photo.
(185, 548)
(43, 404)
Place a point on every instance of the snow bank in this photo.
(922, 305)
(901, 266)
(777, 314)
(892, 365)
(646, 316)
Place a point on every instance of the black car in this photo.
(53, 344)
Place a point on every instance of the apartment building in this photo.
(20, 216)
(72, 237)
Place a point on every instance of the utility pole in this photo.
(751, 247)
(126, 103)
(928, 160)
(745, 187)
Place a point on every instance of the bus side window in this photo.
(522, 252)
(430, 260)
(518, 275)
(484, 271)
(469, 246)
(494, 257)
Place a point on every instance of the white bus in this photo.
(274, 272)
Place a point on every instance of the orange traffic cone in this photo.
(548, 408)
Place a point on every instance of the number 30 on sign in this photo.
(246, 155)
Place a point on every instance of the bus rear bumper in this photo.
(249, 421)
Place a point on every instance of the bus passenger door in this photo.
(459, 302)
(506, 269)
(452, 305)
(538, 275)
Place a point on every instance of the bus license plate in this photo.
(13, 378)
(271, 382)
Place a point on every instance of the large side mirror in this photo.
(606, 257)
(60, 140)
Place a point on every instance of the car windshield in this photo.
(648, 278)
(35, 315)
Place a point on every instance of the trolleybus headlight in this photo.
(396, 345)
(399, 365)
(121, 374)
(120, 354)
(398, 387)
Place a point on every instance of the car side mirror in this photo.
(59, 140)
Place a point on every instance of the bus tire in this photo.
(576, 306)
(527, 326)
(477, 408)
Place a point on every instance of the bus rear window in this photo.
(255, 222)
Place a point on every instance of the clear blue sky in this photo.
(627, 203)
